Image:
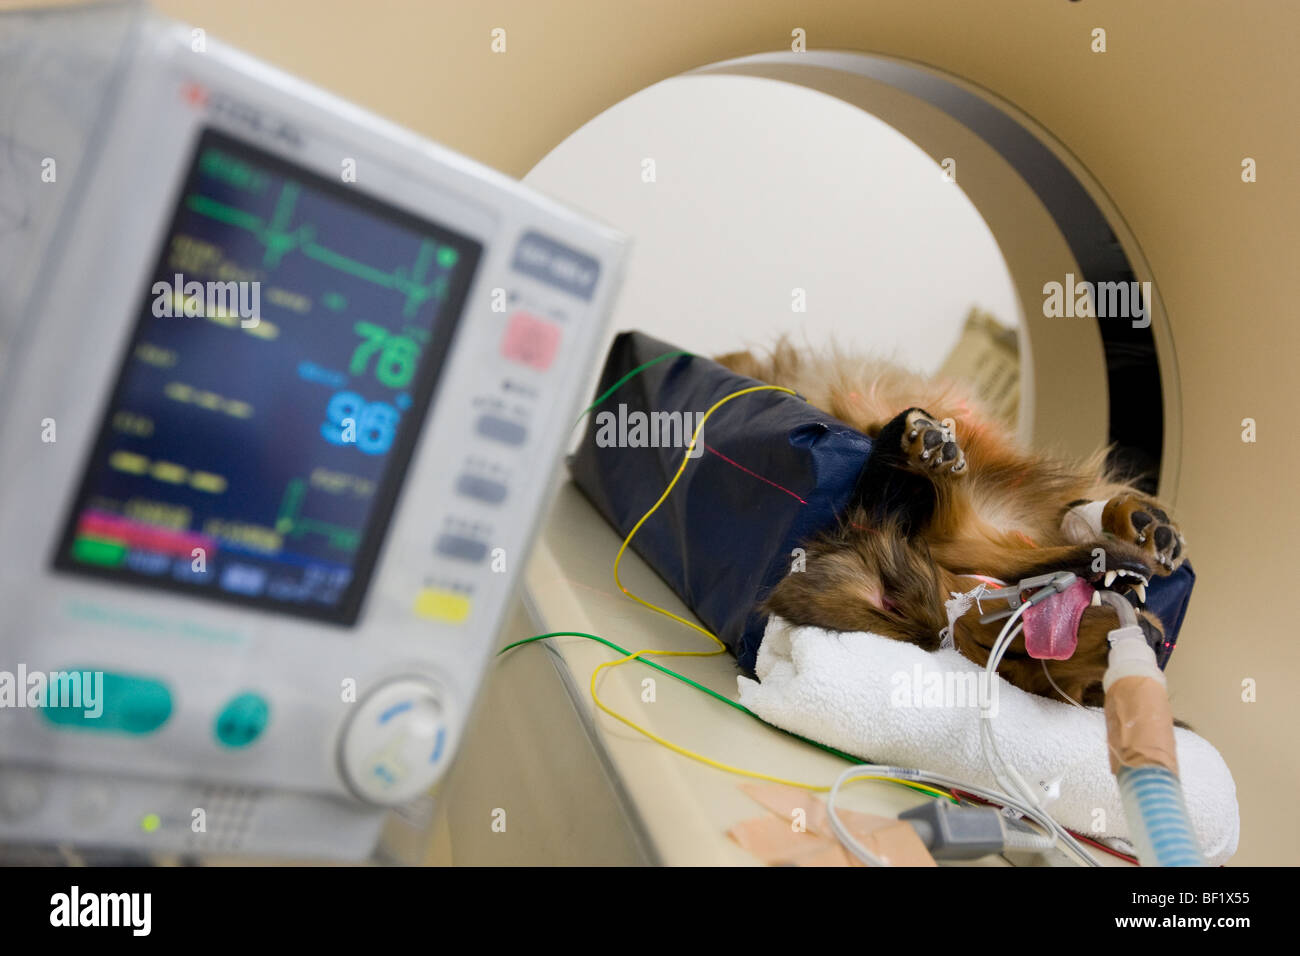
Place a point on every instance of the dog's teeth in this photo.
(1141, 590)
(1110, 578)
(1096, 599)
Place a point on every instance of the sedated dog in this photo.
(947, 494)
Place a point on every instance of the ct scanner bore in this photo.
(1071, 407)
(1085, 381)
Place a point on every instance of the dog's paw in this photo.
(1143, 523)
(930, 445)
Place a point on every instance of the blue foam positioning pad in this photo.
(771, 473)
(1167, 599)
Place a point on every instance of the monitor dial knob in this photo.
(397, 742)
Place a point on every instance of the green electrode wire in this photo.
(708, 690)
(619, 384)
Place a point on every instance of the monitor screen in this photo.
(272, 391)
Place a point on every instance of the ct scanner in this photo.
(535, 744)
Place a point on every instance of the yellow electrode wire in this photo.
(721, 648)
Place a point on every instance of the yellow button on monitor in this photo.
(437, 604)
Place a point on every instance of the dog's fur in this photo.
(937, 502)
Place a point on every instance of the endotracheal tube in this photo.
(1140, 736)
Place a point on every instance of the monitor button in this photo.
(242, 720)
(461, 547)
(93, 803)
(395, 746)
(484, 489)
(129, 705)
(502, 430)
(22, 792)
(531, 341)
(439, 604)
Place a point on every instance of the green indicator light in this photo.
(150, 822)
(334, 301)
(98, 551)
(447, 257)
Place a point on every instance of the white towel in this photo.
(860, 693)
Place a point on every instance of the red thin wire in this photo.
(755, 474)
(1078, 836)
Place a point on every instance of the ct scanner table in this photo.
(578, 787)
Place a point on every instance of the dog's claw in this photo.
(930, 446)
(1141, 521)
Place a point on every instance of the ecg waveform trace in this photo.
(279, 240)
(269, 459)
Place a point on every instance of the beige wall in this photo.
(1163, 120)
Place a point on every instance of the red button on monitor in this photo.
(531, 341)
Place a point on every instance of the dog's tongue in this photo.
(1052, 626)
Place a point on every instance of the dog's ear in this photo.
(831, 587)
(864, 579)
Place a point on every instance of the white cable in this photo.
(1056, 687)
(847, 839)
(1004, 773)
(937, 779)
(1007, 772)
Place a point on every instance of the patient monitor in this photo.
(281, 387)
